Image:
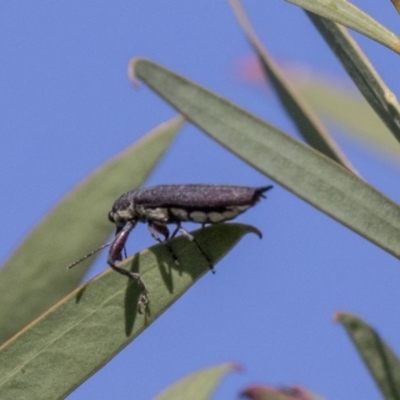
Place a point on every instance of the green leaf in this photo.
(198, 386)
(69, 343)
(307, 173)
(378, 95)
(36, 277)
(306, 121)
(345, 108)
(382, 363)
(347, 14)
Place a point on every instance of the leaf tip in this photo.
(256, 231)
(132, 71)
(342, 317)
(236, 367)
(338, 317)
(396, 46)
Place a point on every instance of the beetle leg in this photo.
(176, 230)
(118, 244)
(119, 256)
(115, 254)
(190, 237)
(186, 234)
(155, 228)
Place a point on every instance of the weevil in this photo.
(159, 206)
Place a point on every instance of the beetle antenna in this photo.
(88, 255)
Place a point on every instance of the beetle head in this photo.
(122, 211)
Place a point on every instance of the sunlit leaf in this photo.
(361, 71)
(306, 121)
(305, 172)
(198, 386)
(347, 14)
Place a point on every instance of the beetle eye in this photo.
(111, 217)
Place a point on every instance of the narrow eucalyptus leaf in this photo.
(307, 173)
(76, 337)
(382, 363)
(361, 71)
(307, 122)
(345, 13)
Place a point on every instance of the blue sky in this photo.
(67, 107)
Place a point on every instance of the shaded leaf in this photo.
(76, 337)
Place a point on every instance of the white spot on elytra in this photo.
(198, 216)
(230, 214)
(179, 213)
(216, 217)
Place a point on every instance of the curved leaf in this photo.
(382, 363)
(61, 349)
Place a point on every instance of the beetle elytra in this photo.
(161, 205)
